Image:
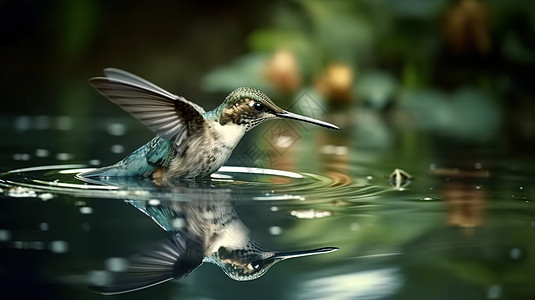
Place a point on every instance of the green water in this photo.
(462, 228)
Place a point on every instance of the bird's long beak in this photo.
(290, 115)
(285, 255)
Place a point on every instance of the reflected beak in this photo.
(286, 255)
(290, 115)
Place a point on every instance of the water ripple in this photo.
(242, 183)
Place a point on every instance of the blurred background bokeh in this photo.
(460, 68)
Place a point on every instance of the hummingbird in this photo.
(200, 231)
(189, 142)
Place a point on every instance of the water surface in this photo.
(462, 228)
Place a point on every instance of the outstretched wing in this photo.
(170, 116)
(148, 269)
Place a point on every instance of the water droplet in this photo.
(42, 153)
(99, 278)
(116, 129)
(44, 226)
(64, 156)
(94, 162)
(21, 156)
(22, 123)
(116, 264)
(19, 192)
(369, 177)
(86, 210)
(310, 213)
(59, 246)
(117, 149)
(275, 230)
(5, 235)
(521, 188)
(46, 196)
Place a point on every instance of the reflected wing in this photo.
(148, 269)
(170, 116)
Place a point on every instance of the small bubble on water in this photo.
(494, 291)
(116, 264)
(59, 247)
(5, 235)
(354, 226)
(44, 226)
(94, 162)
(427, 198)
(42, 153)
(19, 244)
(79, 203)
(521, 188)
(63, 156)
(46, 196)
(275, 230)
(116, 129)
(117, 149)
(369, 177)
(478, 165)
(21, 156)
(86, 210)
(432, 167)
(99, 278)
(22, 123)
(515, 253)
(154, 202)
(274, 208)
(19, 192)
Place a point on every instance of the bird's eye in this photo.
(259, 107)
(256, 264)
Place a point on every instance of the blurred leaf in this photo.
(246, 71)
(465, 114)
(376, 88)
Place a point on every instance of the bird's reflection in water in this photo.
(205, 229)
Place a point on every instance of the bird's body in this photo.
(190, 142)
